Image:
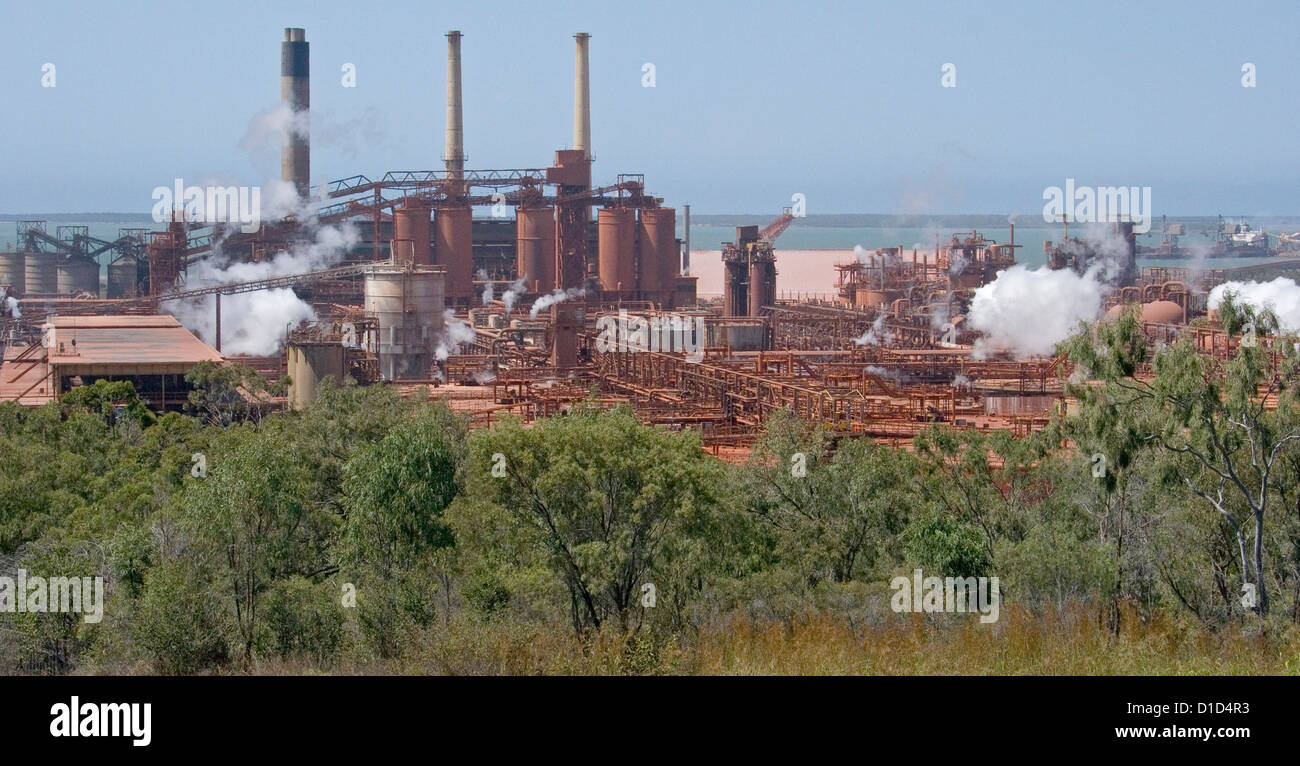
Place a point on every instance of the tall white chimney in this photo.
(582, 96)
(454, 151)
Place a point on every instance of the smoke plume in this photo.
(1026, 313)
(1282, 296)
(254, 323)
(546, 301)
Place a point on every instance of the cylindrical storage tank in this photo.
(762, 285)
(78, 274)
(408, 302)
(41, 274)
(659, 252)
(411, 233)
(615, 245)
(454, 247)
(865, 297)
(535, 248)
(310, 363)
(123, 277)
(13, 272)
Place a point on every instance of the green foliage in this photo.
(305, 619)
(946, 547)
(600, 497)
(177, 620)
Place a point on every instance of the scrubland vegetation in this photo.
(1154, 529)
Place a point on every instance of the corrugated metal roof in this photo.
(102, 345)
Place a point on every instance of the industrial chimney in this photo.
(582, 97)
(295, 92)
(454, 153)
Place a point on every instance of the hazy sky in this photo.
(753, 101)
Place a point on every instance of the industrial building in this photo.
(153, 352)
(499, 315)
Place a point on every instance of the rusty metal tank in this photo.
(454, 249)
(658, 268)
(412, 233)
(866, 297)
(535, 247)
(78, 274)
(616, 246)
(13, 271)
(762, 285)
(41, 274)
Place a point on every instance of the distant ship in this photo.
(1231, 240)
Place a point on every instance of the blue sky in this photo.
(753, 101)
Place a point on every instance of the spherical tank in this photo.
(411, 233)
(41, 274)
(535, 248)
(13, 271)
(454, 247)
(78, 274)
(615, 243)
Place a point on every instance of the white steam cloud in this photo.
(455, 334)
(546, 301)
(875, 336)
(1282, 296)
(512, 293)
(1026, 313)
(255, 323)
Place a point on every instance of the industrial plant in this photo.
(498, 314)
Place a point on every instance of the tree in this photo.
(1211, 416)
(831, 509)
(600, 495)
(395, 493)
(255, 519)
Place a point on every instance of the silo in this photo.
(13, 271)
(411, 233)
(535, 248)
(41, 274)
(762, 285)
(310, 363)
(454, 247)
(658, 271)
(616, 243)
(123, 277)
(408, 302)
(78, 274)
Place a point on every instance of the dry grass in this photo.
(1021, 642)
(1066, 642)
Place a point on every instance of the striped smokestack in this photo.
(295, 92)
(455, 143)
